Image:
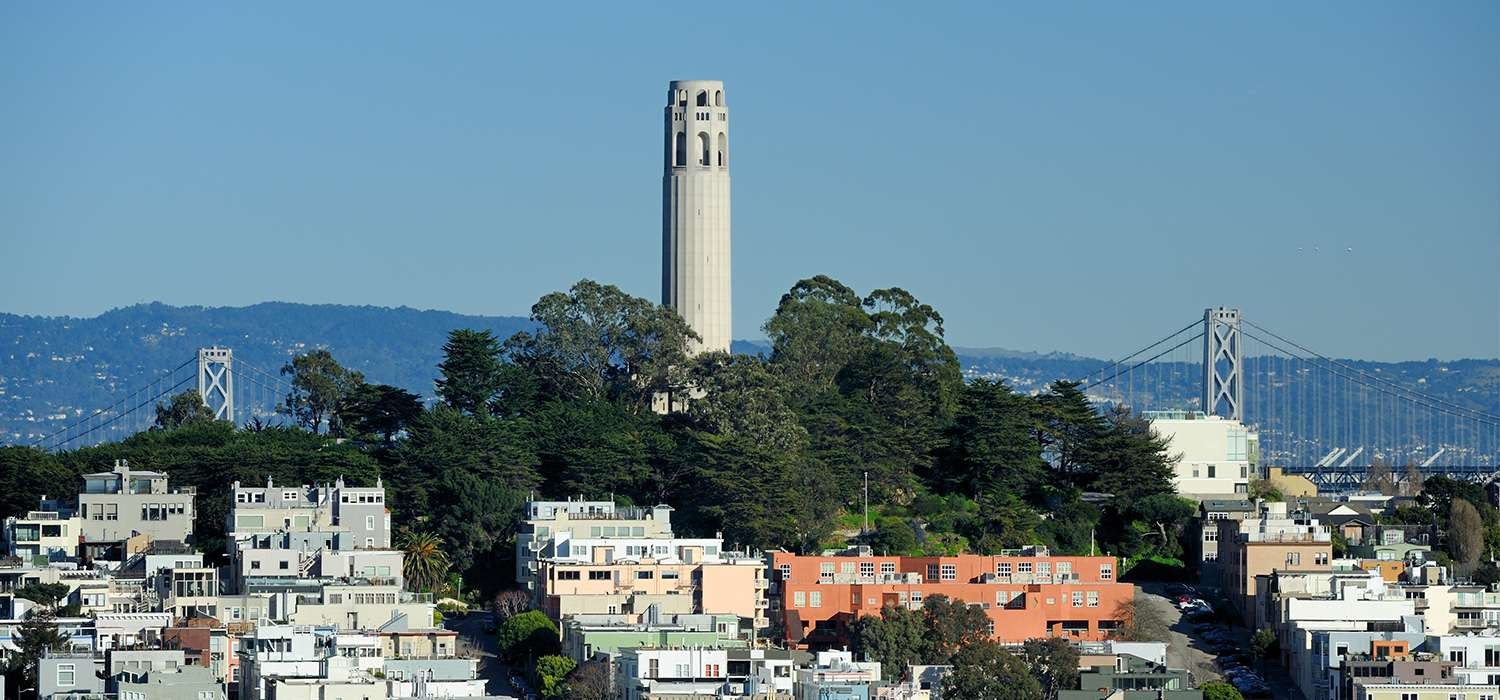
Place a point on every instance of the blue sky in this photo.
(1077, 176)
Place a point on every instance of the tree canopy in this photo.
(769, 450)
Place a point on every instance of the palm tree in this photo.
(424, 561)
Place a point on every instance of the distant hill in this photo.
(56, 366)
(53, 369)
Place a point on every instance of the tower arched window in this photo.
(702, 98)
(723, 149)
(682, 98)
(718, 98)
(703, 146)
(679, 150)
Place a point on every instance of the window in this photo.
(1077, 599)
(799, 599)
(653, 668)
(254, 565)
(846, 567)
(950, 572)
(1093, 599)
(723, 149)
(1211, 535)
(702, 98)
(679, 159)
(711, 670)
(916, 598)
(867, 568)
(703, 148)
(1212, 471)
(887, 567)
(1320, 558)
(568, 576)
(1293, 558)
(599, 576)
(786, 572)
(815, 600)
(1044, 568)
(1023, 567)
(285, 565)
(644, 575)
(825, 569)
(1106, 572)
(1002, 568)
(65, 675)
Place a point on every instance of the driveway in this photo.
(473, 641)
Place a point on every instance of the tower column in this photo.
(695, 210)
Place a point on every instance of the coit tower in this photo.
(695, 210)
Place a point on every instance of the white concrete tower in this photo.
(695, 210)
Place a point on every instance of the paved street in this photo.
(1186, 650)
(473, 640)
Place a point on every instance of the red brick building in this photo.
(1026, 593)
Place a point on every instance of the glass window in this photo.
(799, 599)
(65, 675)
(815, 599)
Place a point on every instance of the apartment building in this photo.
(586, 637)
(691, 577)
(119, 504)
(1390, 662)
(356, 605)
(1433, 691)
(752, 674)
(51, 532)
(1269, 541)
(550, 526)
(835, 674)
(1025, 593)
(1475, 658)
(291, 532)
(1218, 457)
(1206, 540)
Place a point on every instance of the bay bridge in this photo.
(1327, 419)
(1332, 421)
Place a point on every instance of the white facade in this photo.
(50, 531)
(551, 522)
(1217, 455)
(695, 210)
(645, 672)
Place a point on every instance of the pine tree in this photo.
(471, 374)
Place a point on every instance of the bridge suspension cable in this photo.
(44, 442)
(1433, 401)
(1126, 370)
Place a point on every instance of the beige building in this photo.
(680, 583)
(1268, 541)
(119, 504)
(553, 528)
